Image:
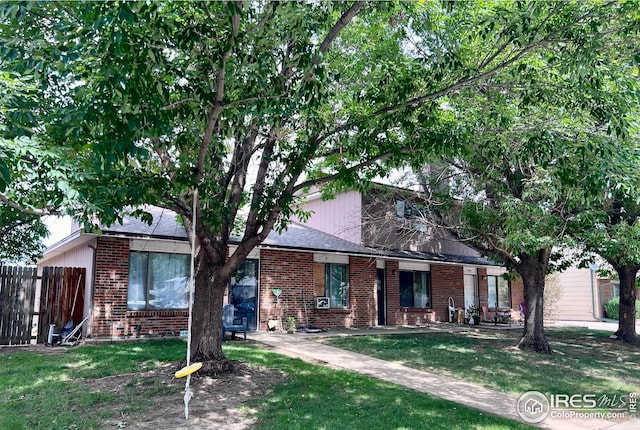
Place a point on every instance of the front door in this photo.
(381, 293)
(243, 293)
(470, 291)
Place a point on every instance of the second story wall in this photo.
(390, 220)
(340, 217)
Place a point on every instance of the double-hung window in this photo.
(158, 281)
(337, 284)
(415, 289)
(499, 292)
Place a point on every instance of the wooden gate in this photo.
(61, 298)
(17, 301)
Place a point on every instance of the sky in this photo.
(59, 228)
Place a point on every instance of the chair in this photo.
(231, 323)
(68, 336)
(452, 310)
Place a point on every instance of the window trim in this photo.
(147, 287)
(327, 285)
(497, 292)
(429, 288)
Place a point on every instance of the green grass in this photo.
(314, 397)
(50, 391)
(43, 391)
(584, 361)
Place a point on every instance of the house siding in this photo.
(110, 315)
(292, 272)
(382, 228)
(339, 217)
(80, 256)
(575, 296)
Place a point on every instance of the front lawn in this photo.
(130, 385)
(584, 361)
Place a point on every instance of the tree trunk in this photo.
(627, 319)
(533, 269)
(206, 340)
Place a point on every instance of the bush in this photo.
(612, 308)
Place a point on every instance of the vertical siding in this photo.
(339, 217)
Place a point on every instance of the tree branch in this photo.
(36, 212)
(214, 114)
(338, 26)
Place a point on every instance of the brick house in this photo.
(137, 279)
(393, 221)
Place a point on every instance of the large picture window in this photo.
(415, 289)
(337, 284)
(158, 281)
(499, 292)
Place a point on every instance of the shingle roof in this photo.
(298, 236)
(165, 225)
(438, 257)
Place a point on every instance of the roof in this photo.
(165, 225)
(438, 257)
(297, 236)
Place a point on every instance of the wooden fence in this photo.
(61, 298)
(17, 300)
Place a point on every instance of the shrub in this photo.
(612, 308)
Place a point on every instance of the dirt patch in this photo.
(38, 349)
(218, 403)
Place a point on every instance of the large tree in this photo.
(611, 226)
(250, 102)
(527, 161)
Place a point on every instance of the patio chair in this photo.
(68, 336)
(231, 323)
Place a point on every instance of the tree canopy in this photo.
(251, 102)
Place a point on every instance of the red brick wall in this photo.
(517, 296)
(362, 283)
(292, 272)
(110, 315)
(446, 281)
(395, 313)
(110, 294)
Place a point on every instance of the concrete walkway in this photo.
(303, 346)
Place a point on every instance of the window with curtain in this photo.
(158, 281)
(415, 289)
(499, 292)
(337, 284)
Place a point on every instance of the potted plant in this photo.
(290, 324)
(474, 314)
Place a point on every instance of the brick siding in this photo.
(110, 315)
(292, 272)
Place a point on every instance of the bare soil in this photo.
(216, 403)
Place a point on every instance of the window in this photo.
(499, 292)
(415, 289)
(412, 215)
(158, 281)
(337, 284)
